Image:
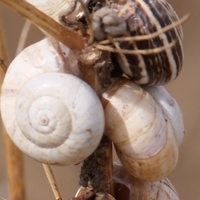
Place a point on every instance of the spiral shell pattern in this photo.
(145, 138)
(148, 17)
(145, 53)
(51, 116)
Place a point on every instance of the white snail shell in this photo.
(144, 137)
(138, 189)
(52, 8)
(51, 116)
(171, 109)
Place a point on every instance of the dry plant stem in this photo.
(23, 36)
(96, 170)
(14, 157)
(100, 175)
(1, 198)
(52, 181)
(51, 27)
(3, 65)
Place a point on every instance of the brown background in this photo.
(186, 90)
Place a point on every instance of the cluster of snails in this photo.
(55, 117)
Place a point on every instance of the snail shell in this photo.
(144, 137)
(51, 116)
(143, 17)
(170, 108)
(138, 189)
(53, 8)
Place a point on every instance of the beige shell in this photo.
(138, 189)
(51, 116)
(143, 135)
(171, 109)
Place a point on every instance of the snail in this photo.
(171, 109)
(143, 132)
(51, 115)
(138, 189)
(144, 37)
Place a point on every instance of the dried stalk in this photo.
(52, 181)
(1, 198)
(14, 158)
(3, 45)
(23, 36)
(100, 176)
(51, 27)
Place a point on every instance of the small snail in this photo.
(52, 116)
(142, 131)
(138, 189)
(143, 36)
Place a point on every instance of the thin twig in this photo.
(150, 35)
(50, 26)
(3, 45)
(23, 36)
(3, 65)
(14, 158)
(52, 181)
(100, 176)
(137, 51)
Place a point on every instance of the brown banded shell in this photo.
(129, 187)
(159, 58)
(143, 18)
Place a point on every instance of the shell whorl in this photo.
(170, 108)
(156, 68)
(145, 138)
(142, 18)
(51, 116)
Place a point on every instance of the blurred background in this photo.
(186, 90)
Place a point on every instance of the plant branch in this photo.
(52, 181)
(14, 157)
(97, 169)
(43, 21)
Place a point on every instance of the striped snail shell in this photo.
(52, 116)
(138, 189)
(156, 60)
(145, 135)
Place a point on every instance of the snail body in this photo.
(143, 135)
(46, 111)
